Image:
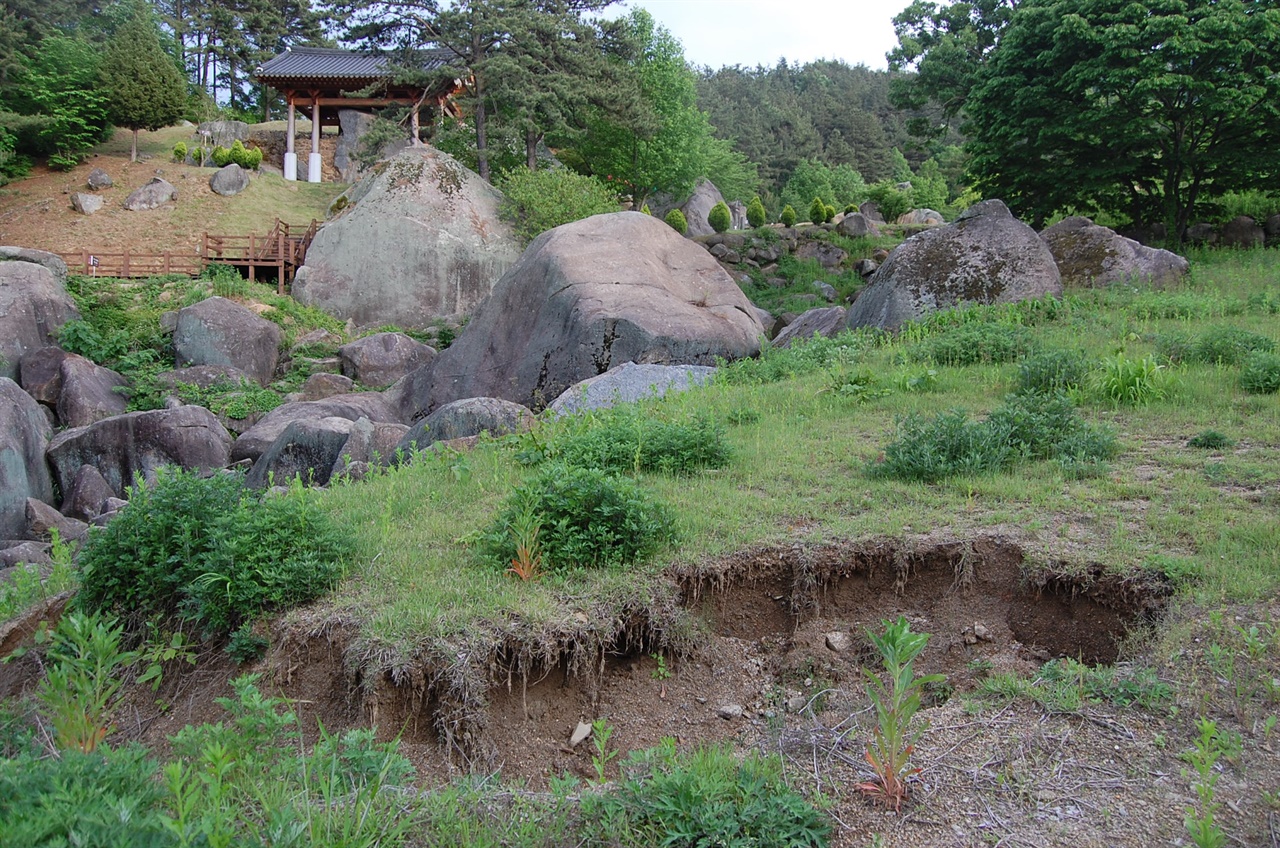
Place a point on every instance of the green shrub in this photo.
(245, 645)
(803, 356)
(1029, 427)
(629, 439)
(709, 797)
(588, 519)
(719, 217)
(644, 210)
(675, 220)
(1228, 346)
(1052, 371)
(1120, 379)
(1210, 440)
(788, 217)
(237, 401)
(892, 202)
(828, 214)
(1261, 373)
(537, 201)
(975, 343)
(104, 799)
(817, 211)
(221, 156)
(756, 216)
(180, 152)
(208, 550)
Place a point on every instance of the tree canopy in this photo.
(144, 88)
(1146, 110)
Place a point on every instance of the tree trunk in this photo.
(133, 154)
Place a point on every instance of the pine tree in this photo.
(144, 86)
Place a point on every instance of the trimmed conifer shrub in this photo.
(788, 217)
(719, 217)
(756, 215)
(675, 220)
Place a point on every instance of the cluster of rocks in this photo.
(1241, 231)
(614, 307)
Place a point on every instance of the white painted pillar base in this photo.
(313, 168)
(291, 166)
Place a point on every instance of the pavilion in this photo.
(319, 79)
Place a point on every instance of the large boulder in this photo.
(986, 256)
(306, 449)
(352, 126)
(698, 206)
(826, 321)
(223, 133)
(33, 306)
(40, 373)
(217, 331)
(87, 495)
(467, 417)
(136, 444)
(381, 359)
(24, 433)
(1272, 229)
(229, 180)
(86, 203)
(1242, 231)
(99, 179)
(52, 261)
(255, 441)
(585, 297)
(88, 393)
(628, 383)
(921, 218)
(1091, 255)
(857, 225)
(153, 195)
(420, 238)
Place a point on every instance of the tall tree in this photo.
(144, 87)
(942, 46)
(1145, 109)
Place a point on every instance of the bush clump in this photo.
(719, 217)
(1215, 346)
(788, 217)
(676, 221)
(1261, 373)
(756, 216)
(1052, 371)
(709, 797)
(629, 439)
(1031, 427)
(180, 152)
(1210, 440)
(977, 343)
(586, 518)
(1121, 379)
(537, 201)
(817, 211)
(210, 551)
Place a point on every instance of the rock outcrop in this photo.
(153, 195)
(588, 296)
(229, 180)
(88, 393)
(986, 256)
(379, 360)
(628, 383)
(467, 417)
(1091, 255)
(24, 433)
(134, 445)
(217, 331)
(816, 322)
(420, 238)
(255, 441)
(34, 305)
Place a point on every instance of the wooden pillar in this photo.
(313, 162)
(290, 156)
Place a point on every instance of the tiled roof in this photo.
(331, 63)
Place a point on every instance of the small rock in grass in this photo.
(729, 711)
(839, 641)
(580, 734)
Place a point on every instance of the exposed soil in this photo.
(771, 671)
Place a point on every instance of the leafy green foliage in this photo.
(629, 439)
(889, 199)
(1026, 427)
(1188, 84)
(1068, 685)
(896, 697)
(209, 550)
(537, 201)
(590, 519)
(1120, 379)
(1216, 346)
(977, 343)
(180, 152)
(57, 90)
(707, 797)
(245, 645)
(676, 221)
(1261, 374)
(719, 217)
(817, 211)
(788, 217)
(1052, 371)
(81, 679)
(803, 356)
(100, 800)
(143, 84)
(840, 183)
(234, 400)
(756, 215)
(1210, 440)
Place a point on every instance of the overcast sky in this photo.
(759, 32)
